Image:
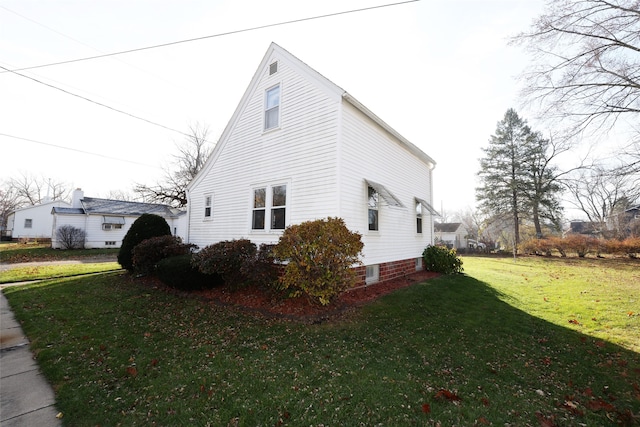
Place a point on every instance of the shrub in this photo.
(70, 237)
(261, 270)
(582, 245)
(320, 255)
(631, 246)
(179, 273)
(442, 260)
(226, 259)
(145, 227)
(149, 252)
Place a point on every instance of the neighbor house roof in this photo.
(96, 206)
(447, 227)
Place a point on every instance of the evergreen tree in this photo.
(517, 179)
(502, 171)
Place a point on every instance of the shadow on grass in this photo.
(449, 351)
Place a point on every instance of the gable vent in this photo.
(273, 68)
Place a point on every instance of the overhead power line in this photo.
(260, 27)
(98, 103)
(78, 151)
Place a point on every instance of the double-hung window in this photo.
(207, 206)
(269, 202)
(272, 108)
(28, 223)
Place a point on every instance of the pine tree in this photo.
(501, 171)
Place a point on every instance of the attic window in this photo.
(273, 68)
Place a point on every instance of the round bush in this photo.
(143, 228)
(442, 260)
(226, 259)
(179, 273)
(149, 252)
(320, 255)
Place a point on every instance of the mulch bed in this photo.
(266, 303)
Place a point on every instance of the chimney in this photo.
(76, 200)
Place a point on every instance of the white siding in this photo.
(59, 220)
(368, 152)
(300, 153)
(41, 221)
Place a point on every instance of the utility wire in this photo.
(260, 27)
(98, 103)
(78, 151)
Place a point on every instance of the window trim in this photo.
(269, 208)
(208, 206)
(28, 223)
(268, 109)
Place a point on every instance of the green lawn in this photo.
(21, 274)
(495, 346)
(25, 252)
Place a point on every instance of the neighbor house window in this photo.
(28, 223)
(418, 217)
(112, 222)
(110, 243)
(207, 207)
(272, 108)
(373, 203)
(274, 200)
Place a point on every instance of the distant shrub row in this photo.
(582, 246)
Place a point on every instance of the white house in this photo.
(106, 222)
(299, 148)
(33, 222)
(452, 234)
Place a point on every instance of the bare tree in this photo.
(603, 196)
(586, 56)
(191, 157)
(31, 190)
(9, 202)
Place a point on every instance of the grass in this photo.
(20, 274)
(26, 252)
(476, 349)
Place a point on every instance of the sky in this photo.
(440, 72)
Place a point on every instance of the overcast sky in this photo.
(440, 72)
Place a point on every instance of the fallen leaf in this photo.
(132, 371)
(574, 321)
(483, 420)
(446, 394)
(545, 421)
(426, 408)
(485, 401)
(598, 404)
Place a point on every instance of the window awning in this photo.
(428, 207)
(386, 195)
(113, 220)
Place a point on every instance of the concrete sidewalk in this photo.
(26, 399)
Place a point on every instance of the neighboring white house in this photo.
(33, 222)
(452, 234)
(300, 148)
(106, 221)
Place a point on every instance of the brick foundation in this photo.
(388, 270)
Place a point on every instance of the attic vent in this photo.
(273, 68)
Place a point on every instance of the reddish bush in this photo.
(227, 259)
(148, 253)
